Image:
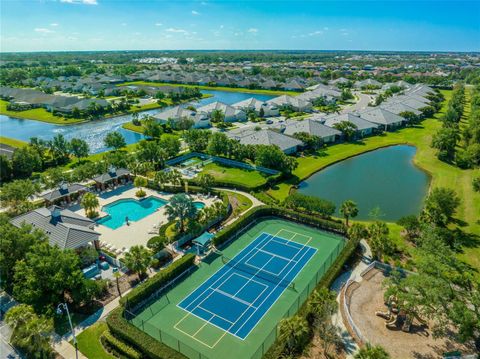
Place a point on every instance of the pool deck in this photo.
(138, 232)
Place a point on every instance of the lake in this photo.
(95, 131)
(385, 178)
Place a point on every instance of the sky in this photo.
(66, 25)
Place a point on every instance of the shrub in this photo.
(476, 184)
(128, 333)
(157, 243)
(118, 347)
(140, 193)
(150, 286)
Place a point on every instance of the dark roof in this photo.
(64, 228)
(110, 175)
(62, 192)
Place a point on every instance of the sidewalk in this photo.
(350, 345)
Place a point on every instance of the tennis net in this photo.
(257, 272)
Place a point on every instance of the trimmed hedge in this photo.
(119, 347)
(150, 286)
(265, 211)
(148, 346)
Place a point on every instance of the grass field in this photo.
(190, 335)
(12, 142)
(214, 88)
(235, 176)
(89, 342)
(442, 174)
(38, 114)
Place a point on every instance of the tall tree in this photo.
(79, 148)
(90, 204)
(30, 333)
(294, 334)
(349, 210)
(138, 259)
(15, 195)
(440, 206)
(181, 207)
(114, 140)
(372, 352)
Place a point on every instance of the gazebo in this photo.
(203, 242)
(64, 193)
(113, 175)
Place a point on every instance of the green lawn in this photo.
(442, 174)
(239, 202)
(214, 88)
(89, 342)
(38, 114)
(12, 142)
(235, 176)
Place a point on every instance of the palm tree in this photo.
(90, 204)
(294, 333)
(175, 177)
(30, 332)
(161, 177)
(372, 352)
(349, 209)
(138, 259)
(117, 276)
(357, 231)
(180, 207)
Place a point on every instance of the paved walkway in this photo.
(350, 345)
(362, 103)
(255, 203)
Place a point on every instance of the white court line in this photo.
(228, 295)
(189, 312)
(272, 291)
(215, 315)
(274, 255)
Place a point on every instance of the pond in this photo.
(95, 131)
(384, 179)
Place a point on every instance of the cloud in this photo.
(203, 3)
(43, 30)
(54, 24)
(85, 2)
(195, 13)
(179, 31)
(316, 33)
(252, 30)
(325, 28)
(158, 24)
(124, 24)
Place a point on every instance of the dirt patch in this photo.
(419, 343)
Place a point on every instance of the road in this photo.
(362, 103)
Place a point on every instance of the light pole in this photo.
(60, 308)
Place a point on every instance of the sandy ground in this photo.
(367, 299)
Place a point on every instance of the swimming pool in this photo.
(131, 208)
(199, 205)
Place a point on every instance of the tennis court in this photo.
(237, 296)
(230, 306)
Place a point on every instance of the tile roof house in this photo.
(386, 119)
(312, 127)
(367, 82)
(64, 228)
(399, 107)
(364, 127)
(200, 119)
(287, 144)
(231, 113)
(256, 105)
(64, 192)
(297, 104)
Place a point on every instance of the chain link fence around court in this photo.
(185, 349)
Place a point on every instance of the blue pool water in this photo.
(199, 205)
(131, 208)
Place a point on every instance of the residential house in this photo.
(200, 119)
(231, 113)
(257, 105)
(287, 144)
(385, 119)
(286, 101)
(312, 127)
(64, 228)
(364, 127)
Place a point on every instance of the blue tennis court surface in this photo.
(241, 292)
